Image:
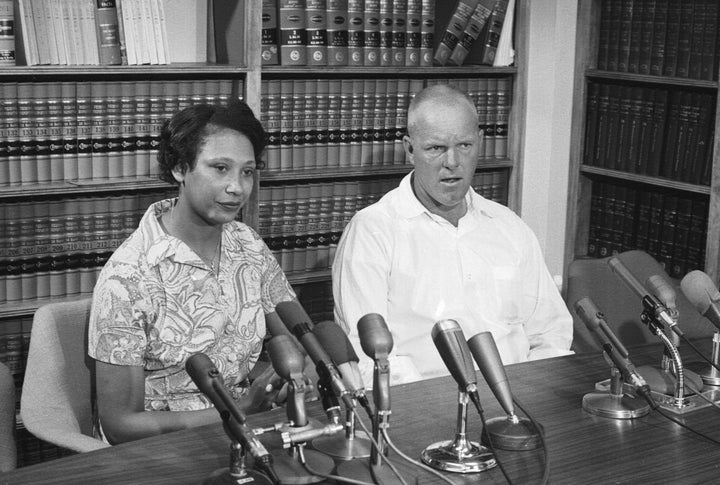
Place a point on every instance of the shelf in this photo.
(647, 79)
(362, 71)
(81, 187)
(310, 277)
(28, 307)
(177, 70)
(645, 179)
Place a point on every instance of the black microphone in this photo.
(453, 348)
(289, 362)
(338, 346)
(298, 322)
(377, 342)
(703, 295)
(209, 380)
(595, 321)
(649, 300)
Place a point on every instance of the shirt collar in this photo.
(409, 206)
(159, 245)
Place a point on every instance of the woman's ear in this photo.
(178, 174)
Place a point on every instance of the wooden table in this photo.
(583, 448)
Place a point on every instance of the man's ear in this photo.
(407, 144)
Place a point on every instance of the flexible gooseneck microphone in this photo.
(209, 380)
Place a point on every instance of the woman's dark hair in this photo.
(184, 134)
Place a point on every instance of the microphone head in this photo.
(452, 345)
(285, 356)
(375, 337)
(700, 290)
(588, 311)
(484, 349)
(335, 342)
(202, 371)
(663, 290)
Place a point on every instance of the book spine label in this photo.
(316, 23)
(453, 30)
(293, 33)
(7, 33)
(427, 32)
(269, 31)
(356, 32)
(337, 32)
(371, 46)
(413, 20)
(108, 34)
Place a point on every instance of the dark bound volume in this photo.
(604, 34)
(667, 232)
(337, 32)
(672, 37)
(293, 32)
(647, 24)
(490, 37)
(679, 266)
(708, 69)
(108, 32)
(626, 25)
(657, 53)
(591, 123)
(613, 55)
(684, 43)
(602, 125)
(636, 25)
(612, 142)
(657, 132)
(697, 39)
(269, 54)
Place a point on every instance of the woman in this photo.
(190, 279)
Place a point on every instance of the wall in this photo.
(547, 131)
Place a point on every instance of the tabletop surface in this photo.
(581, 447)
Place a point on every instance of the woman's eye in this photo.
(249, 172)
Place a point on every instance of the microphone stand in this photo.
(345, 447)
(614, 403)
(710, 374)
(237, 472)
(459, 455)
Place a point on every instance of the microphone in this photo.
(377, 342)
(337, 344)
(453, 348)
(298, 322)
(703, 295)
(649, 300)
(288, 362)
(613, 348)
(510, 433)
(209, 380)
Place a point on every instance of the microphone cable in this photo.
(338, 478)
(481, 412)
(541, 434)
(698, 352)
(685, 426)
(414, 462)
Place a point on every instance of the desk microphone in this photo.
(611, 345)
(298, 322)
(511, 432)
(209, 380)
(703, 294)
(649, 300)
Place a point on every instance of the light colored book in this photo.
(28, 36)
(505, 55)
(186, 27)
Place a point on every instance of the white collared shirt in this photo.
(414, 268)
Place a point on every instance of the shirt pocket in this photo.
(509, 295)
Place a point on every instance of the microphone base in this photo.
(616, 406)
(343, 448)
(510, 434)
(664, 382)
(291, 472)
(222, 476)
(459, 456)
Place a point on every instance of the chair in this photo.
(621, 306)
(8, 448)
(57, 398)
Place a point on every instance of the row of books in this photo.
(670, 227)
(90, 131)
(319, 123)
(659, 37)
(51, 227)
(651, 131)
(378, 32)
(98, 32)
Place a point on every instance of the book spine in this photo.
(657, 52)
(293, 32)
(346, 123)
(389, 122)
(356, 32)
(41, 125)
(269, 32)
(708, 69)
(413, 21)
(320, 117)
(646, 36)
(337, 32)
(7, 33)
(454, 30)
(672, 38)
(401, 105)
(625, 41)
(108, 32)
(657, 132)
(333, 123)
(504, 93)
(356, 126)
(684, 42)
(316, 22)
(286, 124)
(636, 35)
(491, 37)
(27, 53)
(310, 115)
(470, 33)
(604, 34)
(695, 57)
(386, 35)
(399, 8)
(272, 97)
(298, 125)
(371, 33)
(378, 125)
(615, 20)
(368, 123)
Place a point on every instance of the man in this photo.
(433, 249)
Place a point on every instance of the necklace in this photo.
(214, 263)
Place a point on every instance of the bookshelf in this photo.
(64, 212)
(644, 163)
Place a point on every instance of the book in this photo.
(399, 8)
(427, 32)
(25, 36)
(298, 151)
(471, 32)
(591, 123)
(636, 26)
(614, 21)
(269, 33)
(453, 30)
(657, 51)
(625, 40)
(708, 63)
(656, 136)
(386, 32)
(108, 35)
(228, 32)
(697, 39)
(367, 126)
(186, 30)
(320, 122)
(647, 26)
(333, 123)
(316, 31)
(490, 38)
(672, 38)
(604, 35)
(356, 32)
(337, 32)
(7, 33)
(371, 33)
(505, 53)
(286, 123)
(413, 20)
(685, 36)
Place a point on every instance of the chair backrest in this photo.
(622, 307)
(8, 448)
(56, 404)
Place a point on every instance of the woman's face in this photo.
(222, 180)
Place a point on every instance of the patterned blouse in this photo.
(156, 303)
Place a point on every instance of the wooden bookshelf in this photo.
(585, 177)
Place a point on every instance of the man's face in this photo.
(444, 145)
